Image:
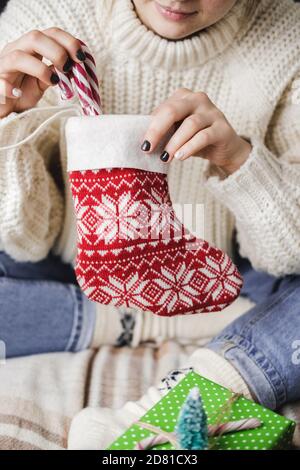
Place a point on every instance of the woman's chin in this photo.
(171, 31)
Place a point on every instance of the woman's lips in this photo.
(174, 15)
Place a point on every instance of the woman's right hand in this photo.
(24, 77)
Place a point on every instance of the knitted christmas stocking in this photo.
(132, 249)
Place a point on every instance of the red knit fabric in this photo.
(134, 252)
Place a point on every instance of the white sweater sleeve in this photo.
(31, 205)
(264, 194)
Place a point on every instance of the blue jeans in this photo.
(42, 309)
(264, 343)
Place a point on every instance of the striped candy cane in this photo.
(90, 66)
(84, 90)
(85, 84)
(65, 85)
(213, 430)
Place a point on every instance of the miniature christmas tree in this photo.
(191, 430)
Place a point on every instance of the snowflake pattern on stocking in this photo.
(120, 219)
(127, 292)
(163, 222)
(133, 251)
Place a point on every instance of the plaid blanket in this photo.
(39, 395)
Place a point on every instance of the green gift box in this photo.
(275, 432)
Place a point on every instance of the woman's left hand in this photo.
(203, 131)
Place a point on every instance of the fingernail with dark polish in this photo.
(146, 146)
(80, 55)
(54, 79)
(165, 157)
(68, 65)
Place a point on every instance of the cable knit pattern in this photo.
(31, 205)
(248, 68)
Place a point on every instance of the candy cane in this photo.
(213, 430)
(151, 441)
(90, 66)
(65, 85)
(233, 426)
(85, 84)
(84, 90)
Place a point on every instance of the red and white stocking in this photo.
(132, 249)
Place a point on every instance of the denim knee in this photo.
(262, 344)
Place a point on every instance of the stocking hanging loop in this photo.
(59, 111)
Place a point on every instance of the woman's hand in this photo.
(202, 130)
(24, 77)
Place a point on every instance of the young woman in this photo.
(226, 72)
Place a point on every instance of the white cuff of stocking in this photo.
(111, 141)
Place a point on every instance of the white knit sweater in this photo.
(248, 68)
